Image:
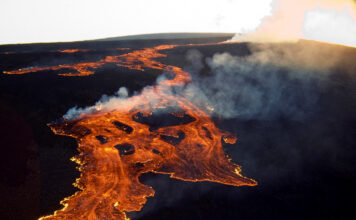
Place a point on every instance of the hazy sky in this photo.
(25, 21)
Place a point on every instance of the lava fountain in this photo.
(155, 131)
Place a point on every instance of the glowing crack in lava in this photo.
(155, 131)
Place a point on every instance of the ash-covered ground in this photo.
(291, 105)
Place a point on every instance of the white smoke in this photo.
(105, 103)
(331, 21)
(275, 80)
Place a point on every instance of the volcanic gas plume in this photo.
(156, 131)
(332, 21)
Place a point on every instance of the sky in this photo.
(31, 21)
(28, 21)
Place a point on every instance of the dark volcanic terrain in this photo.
(291, 105)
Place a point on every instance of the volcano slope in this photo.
(292, 107)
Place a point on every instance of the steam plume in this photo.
(332, 21)
(105, 103)
(275, 80)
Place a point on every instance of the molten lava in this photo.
(80, 69)
(73, 50)
(155, 131)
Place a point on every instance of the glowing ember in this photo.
(117, 146)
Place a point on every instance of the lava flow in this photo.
(73, 50)
(80, 69)
(155, 131)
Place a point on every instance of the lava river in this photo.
(156, 131)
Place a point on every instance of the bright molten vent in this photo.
(155, 131)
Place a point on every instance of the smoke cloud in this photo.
(324, 20)
(105, 103)
(242, 88)
(276, 80)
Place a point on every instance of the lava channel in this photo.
(155, 131)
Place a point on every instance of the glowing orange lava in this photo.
(116, 146)
(134, 60)
(80, 69)
(73, 50)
